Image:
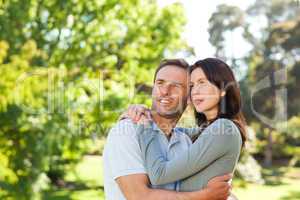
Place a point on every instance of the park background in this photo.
(69, 68)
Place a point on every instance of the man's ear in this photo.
(189, 101)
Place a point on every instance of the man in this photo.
(125, 176)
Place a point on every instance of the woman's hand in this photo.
(138, 113)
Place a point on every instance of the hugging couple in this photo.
(146, 156)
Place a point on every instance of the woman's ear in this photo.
(223, 93)
(223, 103)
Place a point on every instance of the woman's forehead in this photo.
(198, 74)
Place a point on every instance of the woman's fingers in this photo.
(148, 115)
(131, 112)
(143, 120)
(135, 112)
(141, 111)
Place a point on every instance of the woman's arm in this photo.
(191, 132)
(221, 138)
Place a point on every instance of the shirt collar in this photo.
(175, 137)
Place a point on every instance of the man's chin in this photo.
(168, 114)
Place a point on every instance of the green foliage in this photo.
(67, 70)
(274, 46)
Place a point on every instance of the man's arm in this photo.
(135, 187)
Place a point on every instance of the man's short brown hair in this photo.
(181, 63)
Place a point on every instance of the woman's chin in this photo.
(200, 110)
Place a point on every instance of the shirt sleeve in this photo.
(190, 132)
(123, 151)
(222, 138)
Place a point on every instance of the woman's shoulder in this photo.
(226, 132)
(225, 121)
(224, 126)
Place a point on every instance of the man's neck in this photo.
(165, 124)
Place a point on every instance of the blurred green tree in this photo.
(67, 69)
(274, 46)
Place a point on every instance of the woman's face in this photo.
(205, 96)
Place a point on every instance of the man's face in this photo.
(170, 92)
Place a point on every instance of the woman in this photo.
(218, 140)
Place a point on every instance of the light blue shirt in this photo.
(177, 143)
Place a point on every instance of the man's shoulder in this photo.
(125, 122)
(122, 154)
(123, 127)
(122, 134)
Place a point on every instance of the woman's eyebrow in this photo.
(200, 79)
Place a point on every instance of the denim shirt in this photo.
(178, 142)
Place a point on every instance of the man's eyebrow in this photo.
(173, 82)
(176, 83)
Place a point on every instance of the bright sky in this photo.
(198, 13)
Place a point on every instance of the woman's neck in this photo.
(211, 114)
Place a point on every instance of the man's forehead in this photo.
(172, 70)
(172, 73)
(173, 81)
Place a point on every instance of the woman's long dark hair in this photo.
(219, 73)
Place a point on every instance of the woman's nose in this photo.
(195, 90)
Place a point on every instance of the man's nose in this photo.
(165, 90)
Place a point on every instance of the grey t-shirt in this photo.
(121, 157)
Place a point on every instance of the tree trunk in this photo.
(269, 150)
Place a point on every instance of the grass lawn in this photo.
(281, 184)
(288, 191)
(87, 184)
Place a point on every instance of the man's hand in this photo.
(218, 188)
